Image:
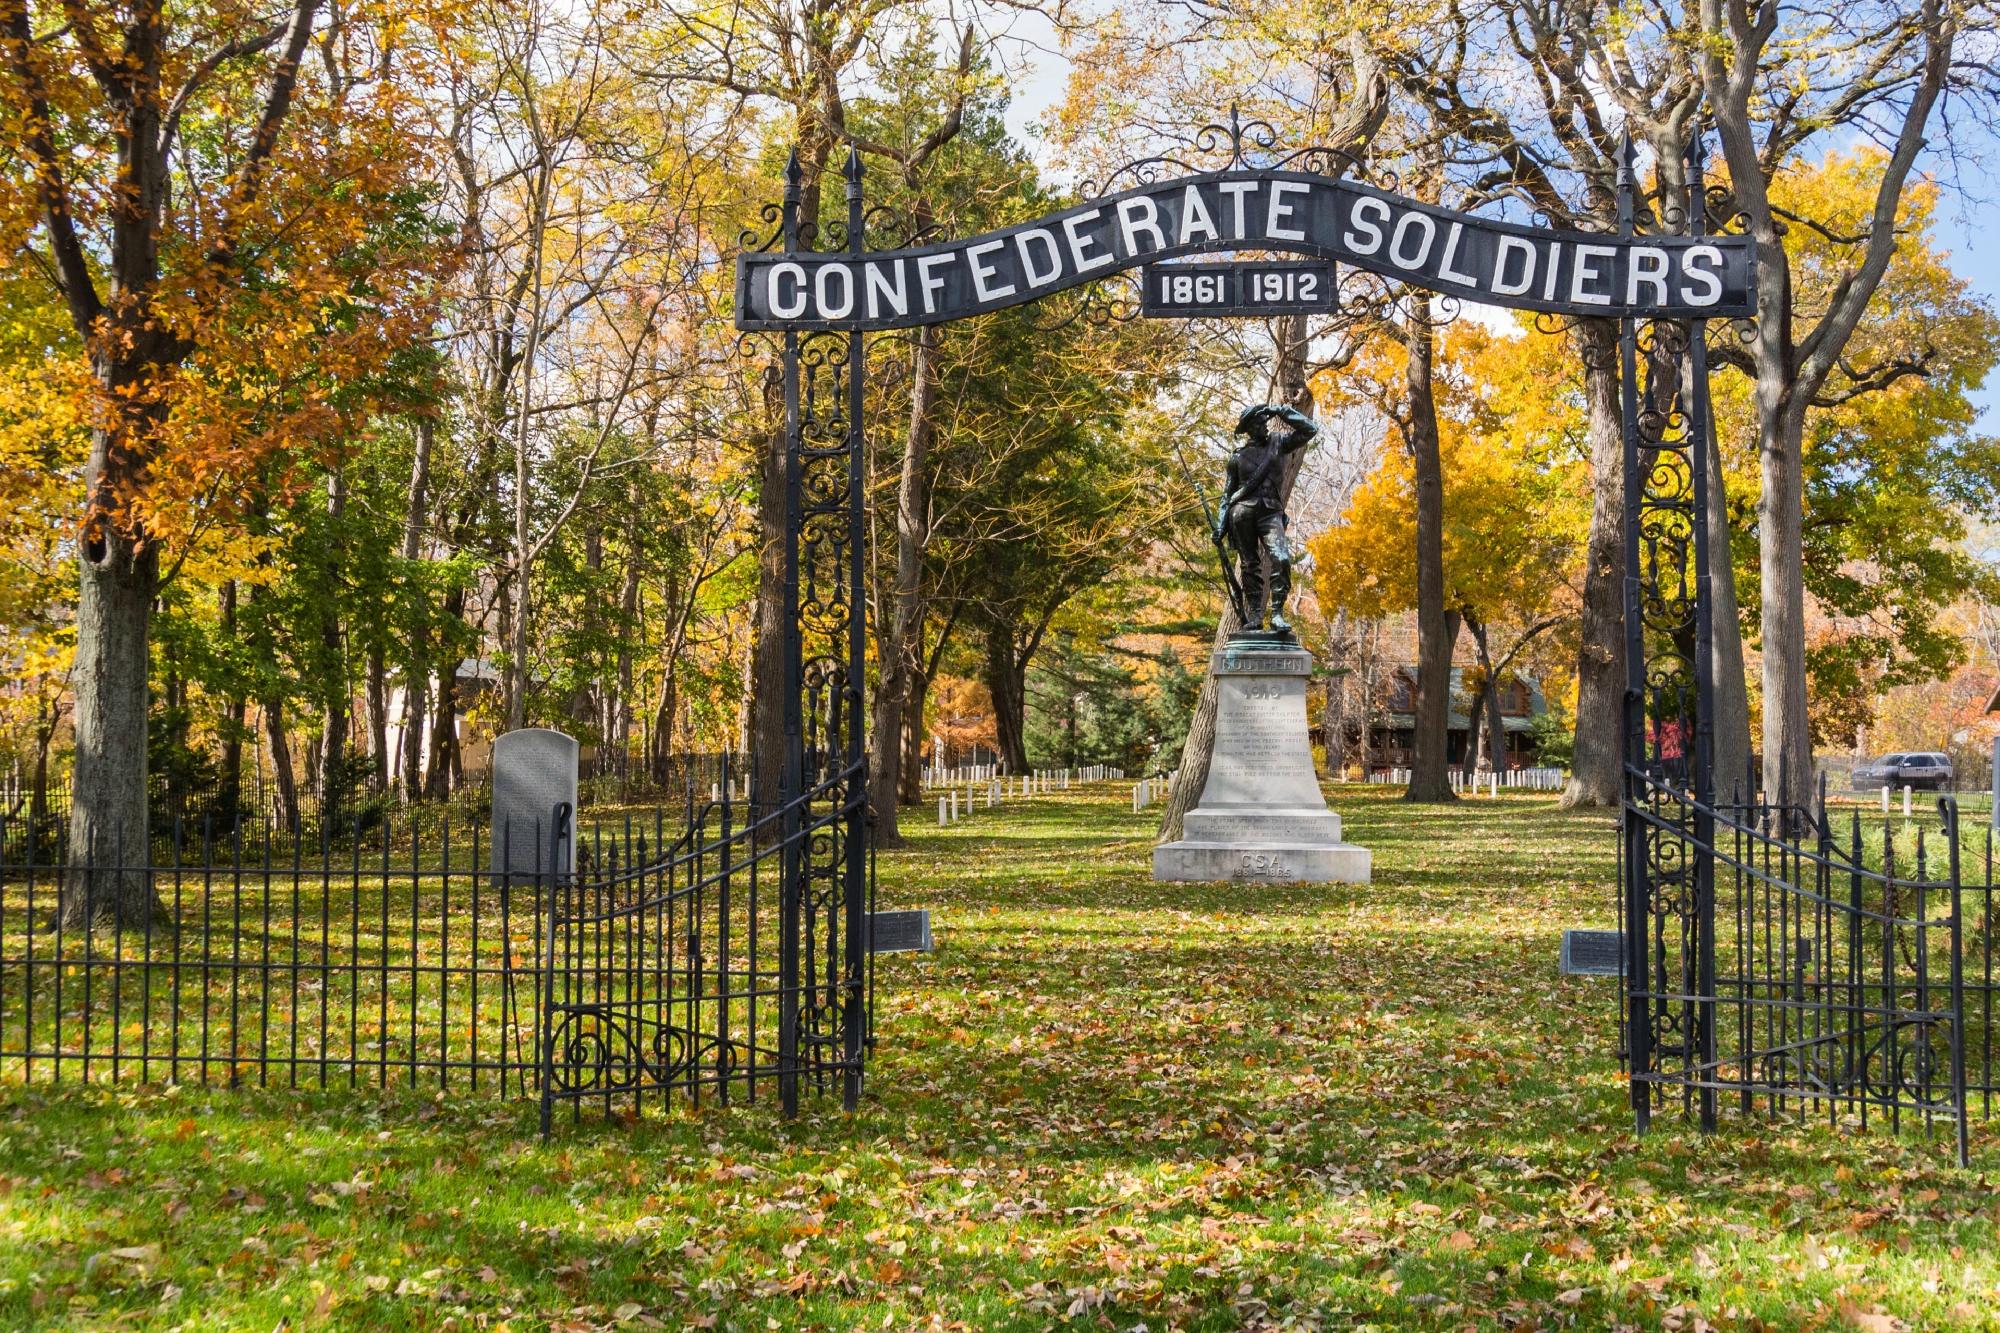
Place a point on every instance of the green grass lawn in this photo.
(1102, 1102)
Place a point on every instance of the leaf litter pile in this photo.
(1101, 1104)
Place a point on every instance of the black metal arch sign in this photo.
(1457, 254)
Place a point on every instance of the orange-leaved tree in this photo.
(1514, 509)
(223, 200)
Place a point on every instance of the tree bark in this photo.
(1005, 674)
(1192, 775)
(108, 834)
(331, 768)
(1731, 723)
(1436, 629)
(417, 669)
(905, 620)
(767, 662)
(443, 758)
(1496, 722)
(1597, 764)
(911, 780)
(282, 777)
(1334, 717)
(237, 711)
(1916, 53)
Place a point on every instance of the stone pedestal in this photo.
(1260, 815)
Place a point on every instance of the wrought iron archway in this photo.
(818, 289)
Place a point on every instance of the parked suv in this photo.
(1926, 770)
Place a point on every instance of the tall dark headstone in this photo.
(534, 771)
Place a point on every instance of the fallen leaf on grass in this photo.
(1871, 1320)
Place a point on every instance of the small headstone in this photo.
(534, 771)
(900, 932)
(1593, 953)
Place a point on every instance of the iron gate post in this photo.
(855, 788)
(1701, 756)
(1948, 808)
(1638, 895)
(547, 881)
(791, 789)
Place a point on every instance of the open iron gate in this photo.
(1774, 962)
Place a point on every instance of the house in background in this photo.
(1393, 733)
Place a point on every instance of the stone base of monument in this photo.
(1260, 815)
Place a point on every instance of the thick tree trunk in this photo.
(442, 761)
(1334, 720)
(1788, 775)
(416, 709)
(911, 781)
(1597, 765)
(377, 697)
(331, 766)
(283, 780)
(238, 709)
(904, 623)
(1732, 691)
(663, 724)
(1005, 674)
(108, 834)
(1192, 775)
(1436, 629)
(1496, 722)
(1371, 662)
(417, 670)
(767, 664)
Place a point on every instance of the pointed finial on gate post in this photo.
(1697, 185)
(795, 177)
(1625, 156)
(852, 170)
(1235, 135)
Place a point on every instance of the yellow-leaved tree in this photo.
(1515, 506)
(223, 201)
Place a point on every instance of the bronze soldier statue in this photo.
(1252, 512)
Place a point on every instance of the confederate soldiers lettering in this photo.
(1458, 254)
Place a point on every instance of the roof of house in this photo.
(1537, 704)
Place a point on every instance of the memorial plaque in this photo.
(900, 932)
(1593, 953)
(534, 771)
(1261, 817)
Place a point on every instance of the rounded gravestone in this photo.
(534, 772)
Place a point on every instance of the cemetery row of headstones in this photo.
(993, 788)
(1148, 790)
(1491, 783)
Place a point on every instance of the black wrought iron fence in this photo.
(643, 959)
(36, 826)
(694, 974)
(1793, 960)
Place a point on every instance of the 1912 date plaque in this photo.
(1177, 291)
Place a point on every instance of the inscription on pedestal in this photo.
(1261, 817)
